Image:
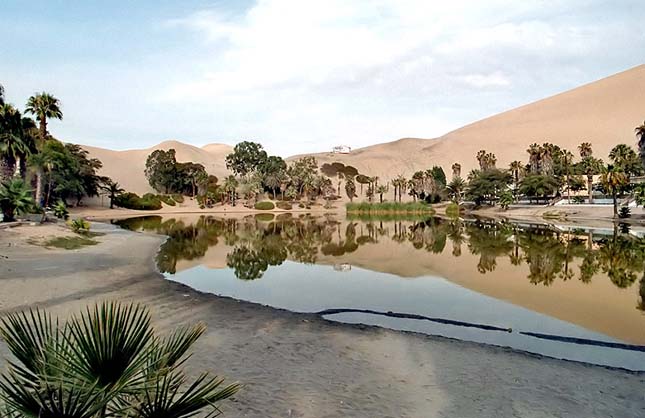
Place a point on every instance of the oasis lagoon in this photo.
(575, 294)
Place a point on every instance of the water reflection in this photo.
(256, 243)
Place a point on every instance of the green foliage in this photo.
(60, 210)
(161, 170)
(452, 210)
(506, 199)
(265, 205)
(284, 205)
(79, 225)
(133, 201)
(624, 212)
(625, 159)
(246, 158)
(639, 194)
(105, 362)
(69, 243)
(44, 106)
(389, 207)
(178, 198)
(488, 185)
(538, 186)
(15, 199)
(167, 199)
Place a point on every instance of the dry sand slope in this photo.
(604, 113)
(127, 167)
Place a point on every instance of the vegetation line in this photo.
(413, 316)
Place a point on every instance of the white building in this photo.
(341, 149)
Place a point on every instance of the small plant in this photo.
(79, 225)
(265, 205)
(60, 210)
(506, 199)
(167, 199)
(107, 361)
(578, 200)
(284, 205)
(624, 212)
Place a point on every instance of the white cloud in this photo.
(496, 79)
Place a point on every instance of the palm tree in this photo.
(44, 106)
(15, 198)
(516, 167)
(456, 170)
(380, 190)
(585, 150)
(112, 188)
(106, 362)
(567, 160)
(626, 159)
(590, 166)
(14, 139)
(1, 94)
(456, 189)
(535, 154)
(613, 180)
(230, 185)
(640, 134)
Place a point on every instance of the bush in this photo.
(79, 225)
(264, 205)
(624, 212)
(578, 200)
(452, 210)
(284, 205)
(133, 201)
(60, 210)
(167, 199)
(178, 198)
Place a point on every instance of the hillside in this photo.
(604, 113)
(127, 167)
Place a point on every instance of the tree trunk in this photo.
(16, 172)
(43, 128)
(39, 187)
(615, 198)
(380, 197)
(49, 190)
(569, 189)
(589, 187)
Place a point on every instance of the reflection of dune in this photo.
(599, 306)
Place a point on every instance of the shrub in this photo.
(115, 364)
(60, 210)
(578, 200)
(264, 205)
(452, 210)
(284, 205)
(624, 212)
(178, 198)
(79, 225)
(167, 199)
(133, 201)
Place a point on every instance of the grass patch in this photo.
(390, 208)
(69, 243)
(265, 205)
(555, 214)
(284, 205)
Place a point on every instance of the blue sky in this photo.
(300, 75)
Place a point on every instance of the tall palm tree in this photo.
(613, 180)
(14, 136)
(640, 134)
(456, 170)
(516, 167)
(585, 150)
(230, 185)
(112, 188)
(44, 106)
(625, 158)
(535, 153)
(567, 161)
(456, 189)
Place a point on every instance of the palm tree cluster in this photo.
(105, 362)
(33, 162)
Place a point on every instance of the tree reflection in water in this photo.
(258, 243)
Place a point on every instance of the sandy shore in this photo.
(302, 366)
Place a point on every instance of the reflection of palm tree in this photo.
(489, 241)
(641, 293)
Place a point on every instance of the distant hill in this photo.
(604, 113)
(127, 167)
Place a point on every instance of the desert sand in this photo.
(296, 365)
(603, 113)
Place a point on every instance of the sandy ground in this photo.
(302, 366)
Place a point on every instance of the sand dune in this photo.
(127, 167)
(604, 113)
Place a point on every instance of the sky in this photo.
(302, 75)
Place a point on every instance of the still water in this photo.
(567, 293)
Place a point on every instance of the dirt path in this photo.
(303, 366)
